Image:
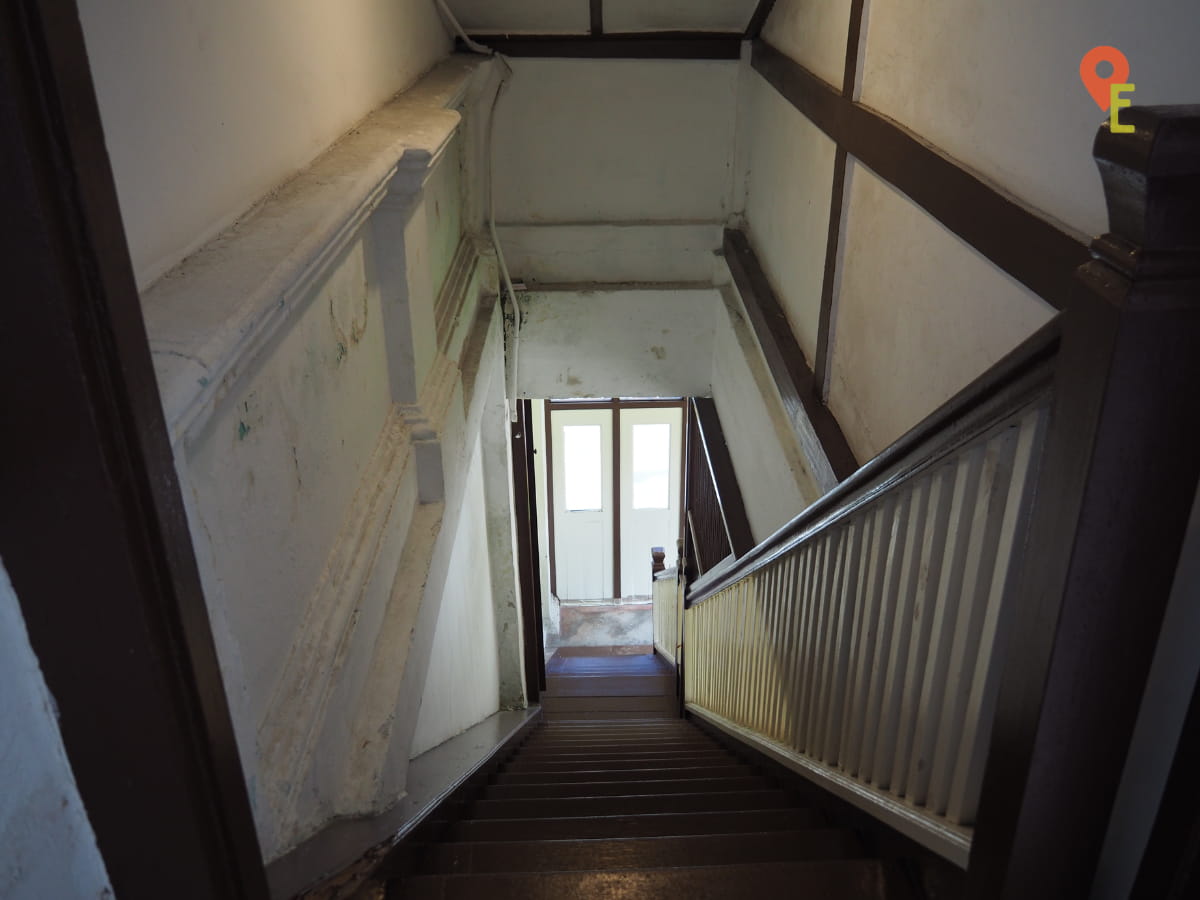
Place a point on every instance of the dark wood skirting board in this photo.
(789, 369)
(648, 45)
(349, 851)
(1031, 249)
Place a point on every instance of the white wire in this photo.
(476, 47)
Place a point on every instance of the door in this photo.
(582, 460)
(651, 459)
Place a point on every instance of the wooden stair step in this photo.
(610, 686)
(657, 824)
(628, 805)
(625, 788)
(638, 853)
(630, 754)
(649, 727)
(602, 750)
(610, 763)
(627, 703)
(731, 770)
(584, 715)
(809, 880)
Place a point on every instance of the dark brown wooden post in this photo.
(1116, 487)
(93, 532)
(528, 557)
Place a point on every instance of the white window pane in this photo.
(651, 466)
(582, 467)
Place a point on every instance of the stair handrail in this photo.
(988, 399)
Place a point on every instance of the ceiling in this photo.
(618, 16)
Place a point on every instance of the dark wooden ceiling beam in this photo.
(1032, 249)
(759, 19)
(647, 45)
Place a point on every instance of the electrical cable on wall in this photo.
(476, 47)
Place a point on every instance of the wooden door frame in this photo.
(94, 536)
(615, 404)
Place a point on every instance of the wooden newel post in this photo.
(1117, 484)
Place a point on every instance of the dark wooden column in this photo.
(1118, 482)
(93, 532)
(528, 565)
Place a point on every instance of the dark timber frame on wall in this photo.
(615, 404)
(1031, 249)
(93, 534)
(601, 44)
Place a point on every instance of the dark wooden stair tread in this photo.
(637, 853)
(729, 770)
(614, 797)
(626, 788)
(644, 825)
(628, 805)
(810, 880)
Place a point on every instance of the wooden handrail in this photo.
(987, 399)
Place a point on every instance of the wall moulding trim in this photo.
(1037, 252)
(210, 317)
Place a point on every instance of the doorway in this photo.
(612, 493)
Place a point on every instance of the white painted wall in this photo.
(773, 475)
(919, 315)
(277, 467)
(812, 32)
(787, 204)
(996, 85)
(323, 424)
(49, 849)
(463, 683)
(627, 343)
(209, 104)
(615, 141)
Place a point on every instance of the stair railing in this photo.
(867, 642)
(858, 640)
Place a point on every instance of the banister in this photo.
(988, 397)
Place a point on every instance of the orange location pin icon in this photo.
(1097, 85)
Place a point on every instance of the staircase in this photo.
(612, 797)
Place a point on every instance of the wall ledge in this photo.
(433, 776)
(208, 318)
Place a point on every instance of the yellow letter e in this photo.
(1118, 103)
